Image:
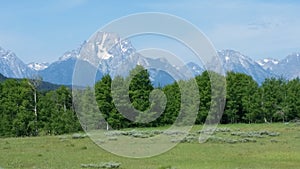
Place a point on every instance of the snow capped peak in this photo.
(260, 63)
(289, 67)
(295, 55)
(233, 56)
(267, 61)
(12, 66)
(3, 51)
(194, 68)
(237, 62)
(38, 66)
(102, 51)
(229, 52)
(108, 45)
(106, 49)
(72, 54)
(7, 54)
(69, 54)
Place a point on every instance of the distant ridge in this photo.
(44, 86)
(110, 54)
(2, 78)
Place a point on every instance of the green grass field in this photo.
(268, 152)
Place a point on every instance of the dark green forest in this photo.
(25, 110)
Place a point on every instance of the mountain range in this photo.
(12, 66)
(106, 53)
(288, 68)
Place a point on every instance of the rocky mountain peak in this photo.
(12, 66)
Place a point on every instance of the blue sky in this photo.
(43, 30)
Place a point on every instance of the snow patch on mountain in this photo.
(227, 58)
(38, 66)
(267, 63)
(289, 67)
(69, 54)
(12, 66)
(237, 62)
(110, 54)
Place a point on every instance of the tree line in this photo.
(26, 111)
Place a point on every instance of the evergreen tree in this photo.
(122, 113)
(87, 109)
(204, 86)
(240, 101)
(139, 88)
(217, 102)
(189, 104)
(273, 95)
(103, 95)
(172, 108)
(134, 102)
(291, 110)
(46, 106)
(17, 109)
(105, 102)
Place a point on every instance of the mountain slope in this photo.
(114, 56)
(195, 68)
(59, 72)
(2, 78)
(38, 66)
(109, 55)
(12, 66)
(268, 63)
(237, 62)
(288, 67)
(43, 86)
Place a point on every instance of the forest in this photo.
(25, 110)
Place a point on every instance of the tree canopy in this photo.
(127, 101)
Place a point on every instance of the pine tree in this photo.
(140, 88)
(189, 102)
(204, 86)
(122, 114)
(172, 108)
(104, 99)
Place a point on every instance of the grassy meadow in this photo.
(237, 146)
